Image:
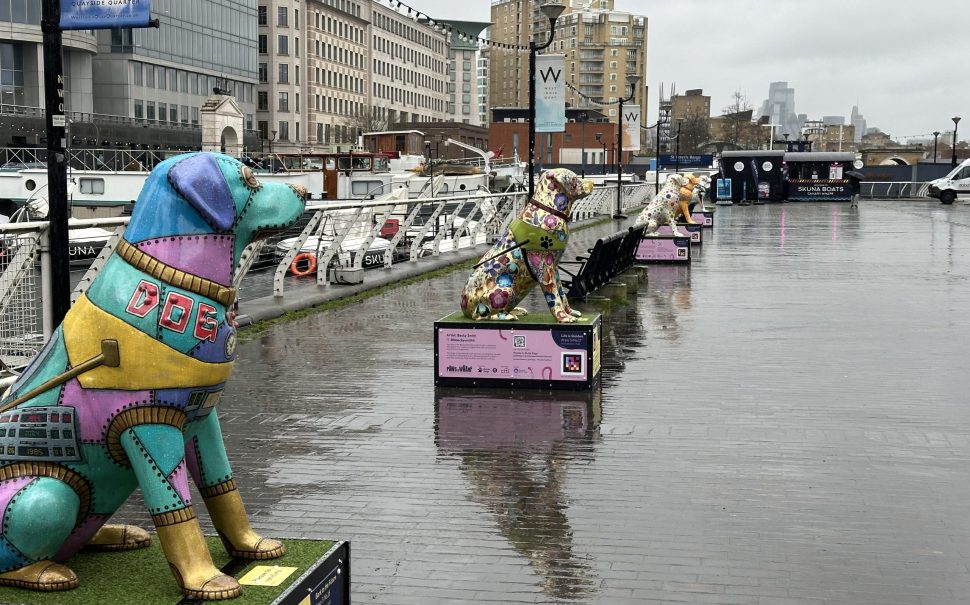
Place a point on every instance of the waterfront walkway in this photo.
(785, 422)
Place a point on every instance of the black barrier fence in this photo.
(608, 257)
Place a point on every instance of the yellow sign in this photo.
(266, 575)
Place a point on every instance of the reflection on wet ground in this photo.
(784, 421)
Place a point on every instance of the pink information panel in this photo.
(528, 353)
(695, 232)
(663, 249)
(703, 218)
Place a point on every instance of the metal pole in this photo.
(677, 159)
(936, 136)
(60, 274)
(583, 137)
(656, 172)
(619, 164)
(956, 122)
(532, 115)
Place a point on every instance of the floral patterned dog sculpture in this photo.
(123, 394)
(528, 254)
(664, 207)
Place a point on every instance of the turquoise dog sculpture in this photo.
(123, 394)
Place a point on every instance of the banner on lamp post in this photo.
(104, 14)
(631, 129)
(550, 93)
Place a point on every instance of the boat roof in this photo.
(820, 156)
(753, 153)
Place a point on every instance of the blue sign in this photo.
(687, 161)
(723, 189)
(104, 14)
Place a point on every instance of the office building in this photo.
(463, 72)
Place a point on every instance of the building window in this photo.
(262, 44)
(136, 75)
(284, 101)
(283, 45)
(150, 111)
(185, 114)
(261, 15)
(263, 127)
(262, 101)
(284, 73)
(139, 109)
(281, 16)
(120, 40)
(162, 112)
(284, 131)
(162, 85)
(173, 114)
(263, 76)
(195, 116)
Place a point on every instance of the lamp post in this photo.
(632, 80)
(956, 122)
(786, 135)
(599, 139)
(936, 137)
(656, 171)
(680, 122)
(583, 117)
(552, 12)
(272, 136)
(427, 150)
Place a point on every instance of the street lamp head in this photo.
(552, 11)
(956, 120)
(936, 133)
(633, 79)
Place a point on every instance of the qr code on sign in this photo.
(681, 252)
(518, 342)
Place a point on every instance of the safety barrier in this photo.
(895, 190)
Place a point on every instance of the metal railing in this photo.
(345, 232)
(895, 190)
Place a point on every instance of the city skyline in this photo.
(894, 65)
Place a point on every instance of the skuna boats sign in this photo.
(104, 14)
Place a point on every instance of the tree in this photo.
(735, 125)
(694, 130)
(366, 119)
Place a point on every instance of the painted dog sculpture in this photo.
(664, 207)
(528, 253)
(123, 394)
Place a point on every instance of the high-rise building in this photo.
(602, 47)
(779, 109)
(163, 75)
(858, 122)
(463, 72)
(337, 74)
(484, 58)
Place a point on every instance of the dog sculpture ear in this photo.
(200, 181)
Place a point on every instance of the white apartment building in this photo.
(409, 68)
(337, 66)
(484, 55)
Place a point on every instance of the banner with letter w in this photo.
(631, 128)
(550, 93)
(104, 14)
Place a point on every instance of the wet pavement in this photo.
(784, 422)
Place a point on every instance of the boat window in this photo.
(361, 163)
(92, 186)
(343, 163)
(380, 165)
(366, 188)
(444, 188)
(331, 164)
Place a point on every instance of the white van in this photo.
(956, 183)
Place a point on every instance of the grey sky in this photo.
(901, 61)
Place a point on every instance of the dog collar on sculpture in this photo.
(550, 210)
(175, 277)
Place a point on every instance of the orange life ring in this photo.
(311, 267)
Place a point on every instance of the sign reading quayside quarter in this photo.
(494, 342)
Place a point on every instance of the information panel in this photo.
(529, 352)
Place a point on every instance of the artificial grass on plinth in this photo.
(142, 577)
(538, 317)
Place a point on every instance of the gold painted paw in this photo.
(46, 576)
(119, 537)
(259, 550)
(216, 587)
